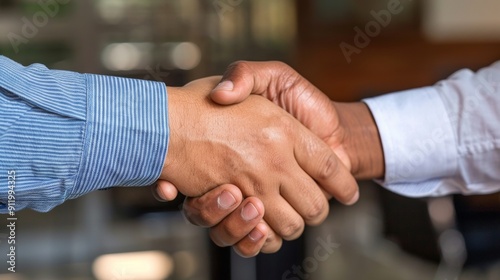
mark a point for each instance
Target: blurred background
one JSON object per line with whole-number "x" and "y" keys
{"x": 351, "y": 49}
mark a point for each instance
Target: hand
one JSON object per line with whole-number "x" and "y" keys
{"x": 258, "y": 147}
{"x": 348, "y": 128}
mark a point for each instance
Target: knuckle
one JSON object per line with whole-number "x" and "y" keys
{"x": 288, "y": 122}
{"x": 316, "y": 209}
{"x": 288, "y": 126}
{"x": 231, "y": 235}
{"x": 279, "y": 131}
{"x": 293, "y": 229}
{"x": 237, "y": 66}
{"x": 206, "y": 218}
{"x": 202, "y": 218}
{"x": 279, "y": 65}
{"x": 329, "y": 168}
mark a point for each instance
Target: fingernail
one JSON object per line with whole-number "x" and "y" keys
{"x": 249, "y": 212}
{"x": 255, "y": 235}
{"x": 354, "y": 199}
{"x": 225, "y": 85}
{"x": 226, "y": 200}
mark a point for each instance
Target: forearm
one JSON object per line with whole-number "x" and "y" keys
{"x": 362, "y": 143}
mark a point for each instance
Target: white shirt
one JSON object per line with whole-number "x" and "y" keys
{"x": 442, "y": 139}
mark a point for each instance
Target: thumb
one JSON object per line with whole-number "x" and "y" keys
{"x": 165, "y": 191}
{"x": 224, "y": 93}
{"x": 241, "y": 79}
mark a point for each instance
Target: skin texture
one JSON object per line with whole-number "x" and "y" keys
{"x": 274, "y": 160}
{"x": 348, "y": 129}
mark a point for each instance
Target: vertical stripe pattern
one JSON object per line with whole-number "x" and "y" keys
{"x": 66, "y": 134}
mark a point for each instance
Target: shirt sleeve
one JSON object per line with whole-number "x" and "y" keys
{"x": 442, "y": 139}
{"x": 64, "y": 134}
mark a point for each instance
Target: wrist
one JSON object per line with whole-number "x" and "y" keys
{"x": 175, "y": 115}
{"x": 191, "y": 125}
{"x": 362, "y": 140}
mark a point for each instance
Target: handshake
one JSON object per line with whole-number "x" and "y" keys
{"x": 260, "y": 152}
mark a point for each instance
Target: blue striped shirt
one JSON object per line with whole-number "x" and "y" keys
{"x": 64, "y": 134}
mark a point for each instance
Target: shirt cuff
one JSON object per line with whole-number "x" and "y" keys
{"x": 126, "y": 135}
{"x": 417, "y": 138}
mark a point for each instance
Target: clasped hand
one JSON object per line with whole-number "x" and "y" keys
{"x": 283, "y": 163}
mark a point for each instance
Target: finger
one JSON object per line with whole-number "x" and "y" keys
{"x": 305, "y": 196}
{"x": 243, "y": 78}
{"x": 273, "y": 242}
{"x": 283, "y": 218}
{"x": 319, "y": 161}
{"x": 253, "y": 242}
{"x": 248, "y": 247}
{"x": 211, "y": 208}
{"x": 165, "y": 191}
{"x": 238, "y": 224}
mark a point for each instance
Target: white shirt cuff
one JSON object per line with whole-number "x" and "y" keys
{"x": 417, "y": 138}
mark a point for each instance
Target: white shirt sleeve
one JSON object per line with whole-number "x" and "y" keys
{"x": 442, "y": 139}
